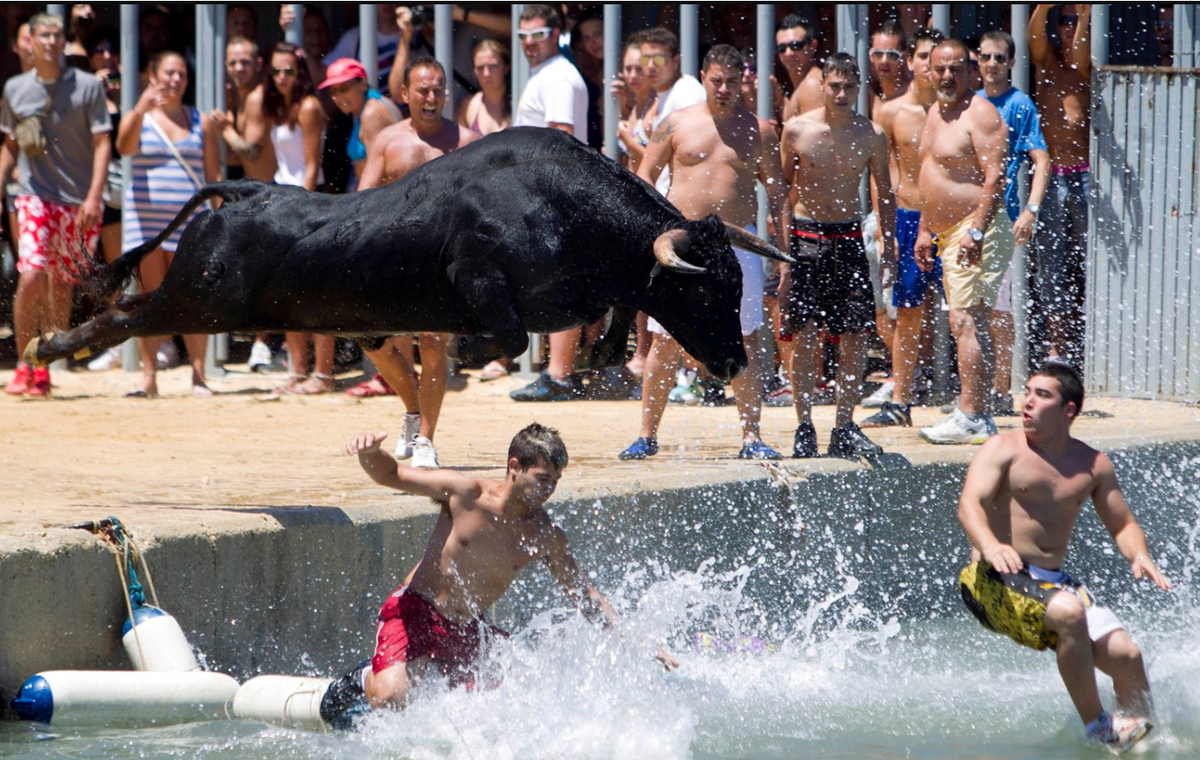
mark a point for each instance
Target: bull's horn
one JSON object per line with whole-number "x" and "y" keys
{"x": 739, "y": 238}
{"x": 664, "y": 251}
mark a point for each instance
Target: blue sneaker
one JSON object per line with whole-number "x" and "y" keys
{"x": 642, "y": 448}
{"x": 758, "y": 450}
{"x": 546, "y": 388}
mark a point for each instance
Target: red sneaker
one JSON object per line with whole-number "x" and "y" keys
{"x": 21, "y": 382}
{"x": 41, "y": 382}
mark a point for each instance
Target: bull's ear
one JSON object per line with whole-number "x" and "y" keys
{"x": 739, "y": 238}
{"x": 666, "y": 251}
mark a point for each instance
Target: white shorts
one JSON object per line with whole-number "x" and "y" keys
{"x": 751, "y": 310}
{"x": 883, "y": 296}
{"x": 1004, "y": 300}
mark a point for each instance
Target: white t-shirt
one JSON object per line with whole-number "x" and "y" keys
{"x": 686, "y": 92}
{"x": 554, "y": 94}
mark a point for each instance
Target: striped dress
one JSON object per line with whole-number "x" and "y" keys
{"x": 160, "y": 186}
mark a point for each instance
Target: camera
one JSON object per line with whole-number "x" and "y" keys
{"x": 422, "y": 15}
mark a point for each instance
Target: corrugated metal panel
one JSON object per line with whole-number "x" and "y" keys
{"x": 1143, "y": 272}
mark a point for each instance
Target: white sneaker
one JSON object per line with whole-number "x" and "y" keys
{"x": 106, "y": 361}
{"x": 260, "y": 357}
{"x": 412, "y": 427}
{"x": 424, "y": 454}
{"x": 881, "y": 396}
{"x": 168, "y": 355}
{"x": 958, "y": 429}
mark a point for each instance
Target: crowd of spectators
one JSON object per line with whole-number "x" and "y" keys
{"x": 308, "y": 116}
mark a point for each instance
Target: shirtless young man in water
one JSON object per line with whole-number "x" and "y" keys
{"x": 1021, "y": 498}
{"x": 487, "y": 532}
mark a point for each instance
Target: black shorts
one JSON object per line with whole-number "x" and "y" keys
{"x": 235, "y": 172}
{"x": 111, "y": 216}
{"x": 831, "y": 280}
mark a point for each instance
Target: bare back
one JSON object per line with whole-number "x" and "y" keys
{"x": 955, "y": 145}
{"x": 825, "y": 163}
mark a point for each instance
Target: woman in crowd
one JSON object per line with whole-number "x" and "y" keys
{"x": 633, "y": 87}
{"x": 490, "y": 109}
{"x": 346, "y": 82}
{"x": 297, "y": 128}
{"x": 175, "y": 152}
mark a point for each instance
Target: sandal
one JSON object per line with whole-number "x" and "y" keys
{"x": 315, "y": 385}
{"x": 376, "y": 386}
{"x": 291, "y": 385}
{"x": 493, "y": 371}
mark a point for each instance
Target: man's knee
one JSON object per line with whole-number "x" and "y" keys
{"x": 1065, "y": 614}
{"x": 1121, "y": 652}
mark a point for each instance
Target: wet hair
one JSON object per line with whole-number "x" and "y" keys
{"x": 1070, "y": 384}
{"x": 841, "y": 63}
{"x": 244, "y": 41}
{"x": 47, "y": 20}
{"x": 890, "y": 28}
{"x": 422, "y": 62}
{"x": 961, "y": 46}
{"x": 157, "y": 59}
{"x": 538, "y": 443}
{"x": 796, "y": 21}
{"x": 546, "y": 13}
{"x": 101, "y": 34}
{"x": 661, "y": 36}
{"x": 274, "y": 106}
{"x": 724, "y": 55}
{"x": 1001, "y": 36}
{"x": 922, "y": 35}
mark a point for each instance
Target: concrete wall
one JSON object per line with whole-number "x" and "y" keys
{"x": 299, "y": 596}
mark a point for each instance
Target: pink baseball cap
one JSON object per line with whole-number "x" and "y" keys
{"x": 343, "y": 70}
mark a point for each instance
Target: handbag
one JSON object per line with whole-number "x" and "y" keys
{"x": 175, "y": 152}
{"x": 29, "y": 132}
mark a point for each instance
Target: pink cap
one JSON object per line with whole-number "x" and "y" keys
{"x": 343, "y": 70}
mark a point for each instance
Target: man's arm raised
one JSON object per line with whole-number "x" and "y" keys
{"x": 1039, "y": 41}
{"x": 1114, "y": 512}
{"x": 382, "y": 468}
{"x": 987, "y": 471}
{"x": 1079, "y": 55}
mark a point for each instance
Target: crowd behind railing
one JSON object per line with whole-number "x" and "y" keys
{"x": 308, "y": 116}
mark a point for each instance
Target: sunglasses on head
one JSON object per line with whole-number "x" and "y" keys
{"x": 997, "y": 57}
{"x": 658, "y": 60}
{"x": 881, "y": 53}
{"x": 289, "y": 71}
{"x": 534, "y": 35}
{"x": 794, "y": 45}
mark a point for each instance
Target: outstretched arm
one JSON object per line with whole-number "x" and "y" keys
{"x": 987, "y": 471}
{"x": 1114, "y": 512}
{"x": 439, "y": 485}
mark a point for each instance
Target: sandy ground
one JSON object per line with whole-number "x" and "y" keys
{"x": 177, "y": 464}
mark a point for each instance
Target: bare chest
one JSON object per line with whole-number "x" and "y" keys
{"x": 1046, "y": 489}
{"x": 710, "y": 149}
{"x": 947, "y": 144}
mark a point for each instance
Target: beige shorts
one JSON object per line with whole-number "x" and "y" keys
{"x": 979, "y": 285}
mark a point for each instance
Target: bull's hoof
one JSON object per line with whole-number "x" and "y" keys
{"x": 30, "y": 356}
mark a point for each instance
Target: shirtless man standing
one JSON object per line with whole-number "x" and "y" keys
{"x": 1063, "y": 96}
{"x": 890, "y": 77}
{"x": 902, "y": 122}
{"x": 963, "y": 154}
{"x": 1021, "y": 498}
{"x": 825, "y": 153}
{"x": 796, "y": 44}
{"x": 487, "y": 532}
{"x": 396, "y": 151}
{"x": 715, "y": 150}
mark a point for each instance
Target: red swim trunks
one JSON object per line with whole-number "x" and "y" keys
{"x": 50, "y": 240}
{"x": 410, "y": 627}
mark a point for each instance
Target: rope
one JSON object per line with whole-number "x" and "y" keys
{"x": 129, "y": 607}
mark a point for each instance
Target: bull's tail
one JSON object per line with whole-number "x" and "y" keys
{"x": 109, "y": 278}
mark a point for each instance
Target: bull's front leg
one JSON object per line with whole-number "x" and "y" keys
{"x": 610, "y": 350}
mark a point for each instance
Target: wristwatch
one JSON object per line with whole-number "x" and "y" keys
{"x": 1033, "y": 208}
{"x": 976, "y": 235}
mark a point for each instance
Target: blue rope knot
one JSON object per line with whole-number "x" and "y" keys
{"x": 136, "y": 595}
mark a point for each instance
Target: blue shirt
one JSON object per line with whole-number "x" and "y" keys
{"x": 1024, "y": 134}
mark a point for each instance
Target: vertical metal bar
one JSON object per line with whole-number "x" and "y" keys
{"x": 765, "y": 60}
{"x": 612, "y": 65}
{"x": 294, "y": 33}
{"x": 206, "y": 100}
{"x": 844, "y": 25}
{"x": 689, "y": 39}
{"x": 60, "y": 10}
{"x": 443, "y": 49}
{"x": 941, "y": 18}
{"x": 1020, "y": 34}
{"x": 129, "y": 98}
{"x": 1185, "y": 35}
{"x": 220, "y": 350}
{"x": 1099, "y": 37}
{"x": 519, "y": 76}
{"x": 1020, "y": 264}
{"x": 862, "y": 43}
{"x": 368, "y": 42}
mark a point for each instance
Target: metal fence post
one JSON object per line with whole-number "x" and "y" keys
{"x": 689, "y": 39}
{"x": 294, "y": 34}
{"x": 941, "y": 18}
{"x": 129, "y": 97}
{"x": 1020, "y": 263}
{"x": 368, "y": 42}
{"x": 612, "y": 66}
{"x": 443, "y": 50}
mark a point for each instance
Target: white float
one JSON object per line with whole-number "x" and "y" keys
{"x": 155, "y": 642}
{"x": 291, "y": 701}
{"x": 123, "y": 697}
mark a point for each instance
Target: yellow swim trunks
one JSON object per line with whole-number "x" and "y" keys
{"x": 980, "y": 284}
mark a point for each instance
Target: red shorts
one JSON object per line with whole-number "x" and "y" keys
{"x": 49, "y": 239}
{"x": 410, "y": 627}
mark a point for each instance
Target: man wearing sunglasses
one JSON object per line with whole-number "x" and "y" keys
{"x": 556, "y": 97}
{"x": 890, "y": 75}
{"x": 660, "y": 61}
{"x": 1025, "y": 146}
{"x": 1063, "y": 97}
{"x": 796, "y": 44}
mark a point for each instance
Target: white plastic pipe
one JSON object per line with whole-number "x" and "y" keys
{"x": 121, "y": 697}
{"x": 290, "y": 701}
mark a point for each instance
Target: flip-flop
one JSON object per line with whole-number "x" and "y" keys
{"x": 315, "y": 385}
{"x": 365, "y": 389}
{"x": 200, "y": 391}
{"x": 139, "y": 393}
{"x": 493, "y": 371}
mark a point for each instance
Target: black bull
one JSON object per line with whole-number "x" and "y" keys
{"x": 525, "y": 231}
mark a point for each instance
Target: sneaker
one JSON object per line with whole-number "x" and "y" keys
{"x": 107, "y": 360}
{"x": 890, "y": 415}
{"x": 21, "y": 381}
{"x": 848, "y": 442}
{"x": 825, "y": 395}
{"x": 1118, "y": 732}
{"x": 781, "y": 396}
{"x": 758, "y": 450}
{"x": 881, "y": 396}
{"x": 688, "y": 395}
{"x": 41, "y": 382}
{"x": 412, "y": 428}
{"x": 167, "y": 356}
{"x": 546, "y": 388}
{"x": 1002, "y": 405}
{"x": 956, "y": 428}
{"x": 260, "y": 357}
{"x": 805, "y": 446}
{"x": 642, "y": 448}
{"x": 424, "y": 455}
{"x": 346, "y": 698}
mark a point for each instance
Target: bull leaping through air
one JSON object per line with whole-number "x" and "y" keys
{"x": 524, "y": 231}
